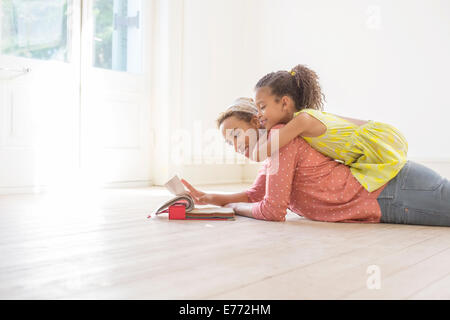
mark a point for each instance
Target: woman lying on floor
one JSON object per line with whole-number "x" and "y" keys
{"x": 317, "y": 187}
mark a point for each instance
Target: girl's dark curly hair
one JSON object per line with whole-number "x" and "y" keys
{"x": 301, "y": 84}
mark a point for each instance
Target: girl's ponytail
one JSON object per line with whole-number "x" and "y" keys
{"x": 308, "y": 83}
{"x": 301, "y": 84}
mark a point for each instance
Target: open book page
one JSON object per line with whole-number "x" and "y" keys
{"x": 211, "y": 210}
{"x": 211, "y": 213}
{"x": 175, "y": 186}
{"x": 189, "y": 203}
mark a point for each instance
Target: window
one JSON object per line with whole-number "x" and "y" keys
{"x": 117, "y": 35}
{"x": 28, "y": 29}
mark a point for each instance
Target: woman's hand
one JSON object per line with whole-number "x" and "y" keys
{"x": 241, "y": 209}
{"x": 212, "y": 198}
{"x": 199, "y": 197}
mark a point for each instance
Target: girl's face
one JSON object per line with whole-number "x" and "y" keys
{"x": 271, "y": 109}
{"x": 240, "y": 134}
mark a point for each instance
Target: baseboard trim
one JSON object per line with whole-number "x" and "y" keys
{"x": 44, "y": 189}
{"x": 128, "y": 184}
{"x": 206, "y": 174}
{"x": 441, "y": 166}
{"x": 22, "y": 190}
{"x": 213, "y": 175}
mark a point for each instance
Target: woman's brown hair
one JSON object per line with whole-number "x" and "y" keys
{"x": 301, "y": 84}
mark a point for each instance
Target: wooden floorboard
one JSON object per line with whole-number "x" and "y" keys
{"x": 100, "y": 245}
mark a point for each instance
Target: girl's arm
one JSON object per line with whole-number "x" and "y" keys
{"x": 279, "y": 183}
{"x": 303, "y": 124}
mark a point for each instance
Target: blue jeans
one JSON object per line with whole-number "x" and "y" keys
{"x": 417, "y": 195}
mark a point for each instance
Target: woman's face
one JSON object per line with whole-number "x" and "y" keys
{"x": 240, "y": 134}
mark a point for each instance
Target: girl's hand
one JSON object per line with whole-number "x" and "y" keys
{"x": 199, "y": 197}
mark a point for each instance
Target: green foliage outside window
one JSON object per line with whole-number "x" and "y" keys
{"x": 35, "y": 29}
{"x": 103, "y": 13}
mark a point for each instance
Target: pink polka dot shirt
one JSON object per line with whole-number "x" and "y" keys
{"x": 311, "y": 185}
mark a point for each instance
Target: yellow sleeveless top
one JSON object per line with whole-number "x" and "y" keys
{"x": 375, "y": 151}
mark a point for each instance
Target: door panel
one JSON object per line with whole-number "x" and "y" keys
{"x": 116, "y": 99}
{"x": 39, "y": 108}
{"x": 74, "y": 98}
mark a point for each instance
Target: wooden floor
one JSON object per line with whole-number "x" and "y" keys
{"x": 100, "y": 245}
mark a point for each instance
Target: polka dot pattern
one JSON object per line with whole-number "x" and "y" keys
{"x": 375, "y": 151}
{"x": 312, "y": 185}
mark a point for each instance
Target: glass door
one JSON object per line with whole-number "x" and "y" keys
{"x": 115, "y": 91}
{"x": 37, "y": 29}
{"x": 39, "y": 92}
{"x": 74, "y": 93}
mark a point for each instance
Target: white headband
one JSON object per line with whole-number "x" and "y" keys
{"x": 243, "y": 105}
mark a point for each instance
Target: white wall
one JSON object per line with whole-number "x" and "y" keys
{"x": 380, "y": 59}
{"x": 205, "y": 58}
{"x": 220, "y": 58}
{"x": 383, "y": 60}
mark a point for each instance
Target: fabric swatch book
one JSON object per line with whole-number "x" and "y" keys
{"x": 190, "y": 210}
